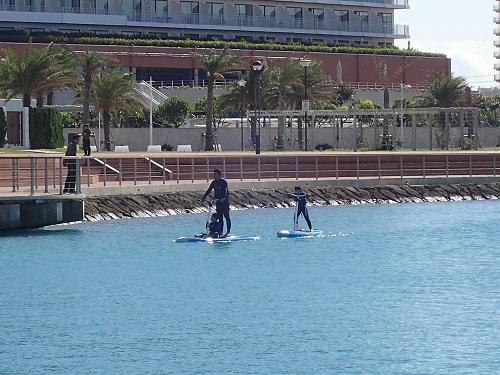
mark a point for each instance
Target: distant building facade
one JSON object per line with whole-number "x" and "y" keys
{"x": 328, "y": 21}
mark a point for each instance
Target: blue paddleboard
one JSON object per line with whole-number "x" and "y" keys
{"x": 217, "y": 240}
{"x": 299, "y": 233}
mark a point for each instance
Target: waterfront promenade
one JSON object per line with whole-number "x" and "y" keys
{"x": 35, "y": 174}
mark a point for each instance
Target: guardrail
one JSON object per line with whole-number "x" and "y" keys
{"x": 39, "y": 175}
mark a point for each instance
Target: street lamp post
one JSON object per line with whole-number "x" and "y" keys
{"x": 241, "y": 83}
{"x": 257, "y": 68}
{"x": 401, "y": 121}
{"x": 304, "y": 62}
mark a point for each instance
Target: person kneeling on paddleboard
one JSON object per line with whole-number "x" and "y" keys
{"x": 215, "y": 227}
{"x": 221, "y": 198}
{"x": 300, "y": 198}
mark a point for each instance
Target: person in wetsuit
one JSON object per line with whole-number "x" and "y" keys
{"x": 221, "y": 197}
{"x": 300, "y": 197}
{"x": 86, "y": 134}
{"x": 215, "y": 227}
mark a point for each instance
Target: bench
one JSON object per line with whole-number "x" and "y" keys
{"x": 184, "y": 148}
{"x": 122, "y": 148}
{"x": 154, "y": 148}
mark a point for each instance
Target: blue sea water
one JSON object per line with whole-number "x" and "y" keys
{"x": 392, "y": 289}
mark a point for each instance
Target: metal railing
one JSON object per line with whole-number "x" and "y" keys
{"x": 330, "y": 23}
{"x": 42, "y": 175}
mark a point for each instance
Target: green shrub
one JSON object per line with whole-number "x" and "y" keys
{"x": 46, "y": 128}
{"x": 82, "y": 38}
{"x": 3, "y": 127}
{"x": 173, "y": 112}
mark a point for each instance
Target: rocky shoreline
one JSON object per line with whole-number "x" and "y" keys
{"x": 165, "y": 204}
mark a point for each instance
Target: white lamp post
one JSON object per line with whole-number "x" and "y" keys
{"x": 401, "y": 121}
{"x": 241, "y": 83}
{"x": 257, "y": 68}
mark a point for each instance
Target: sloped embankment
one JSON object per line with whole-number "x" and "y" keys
{"x": 138, "y": 205}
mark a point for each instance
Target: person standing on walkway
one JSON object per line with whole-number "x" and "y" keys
{"x": 86, "y": 133}
{"x": 221, "y": 197}
{"x": 70, "y": 184}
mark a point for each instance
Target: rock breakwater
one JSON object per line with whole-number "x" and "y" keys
{"x": 151, "y": 205}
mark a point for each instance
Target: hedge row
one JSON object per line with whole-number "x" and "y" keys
{"x": 46, "y": 128}
{"x": 80, "y": 38}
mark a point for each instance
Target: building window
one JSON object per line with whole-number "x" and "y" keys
{"x": 69, "y": 3}
{"x": 215, "y": 36}
{"x": 318, "y": 13}
{"x": 243, "y": 9}
{"x": 268, "y": 10}
{"x": 190, "y": 7}
{"x": 363, "y": 16}
{"x": 386, "y": 18}
{"x": 216, "y": 9}
{"x": 294, "y": 12}
{"x": 69, "y": 31}
{"x": 192, "y": 36}
{"x": 342, "y": 15}
{"x": 161, "y": 6}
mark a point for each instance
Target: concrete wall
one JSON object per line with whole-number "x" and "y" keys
{"x": 138, "y": 138}
{"x": 29, "y": 213}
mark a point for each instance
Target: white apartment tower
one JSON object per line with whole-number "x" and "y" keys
{"x": 327, "y": 21}
{"x": 497, "y": 41}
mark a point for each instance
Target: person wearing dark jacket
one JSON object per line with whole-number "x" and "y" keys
{"x": 215, "y": 227}
{"x": 221, "y": 197}
{"x": 86, "y": 133}
{"x": 70, "y": 184}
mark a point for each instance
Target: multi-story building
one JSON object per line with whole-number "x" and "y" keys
{"x": 497, "y": 41}
{"x": 327, "y": 21}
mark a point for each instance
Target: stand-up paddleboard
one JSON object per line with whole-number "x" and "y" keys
{"x": 217, "y": 240}
{"x": 299, "y": 233}
{"x": 205, "y": 239}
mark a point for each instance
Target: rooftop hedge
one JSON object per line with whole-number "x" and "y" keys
{"x": 19, "y": 36}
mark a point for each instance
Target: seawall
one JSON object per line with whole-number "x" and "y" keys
{"x": 173, "y": 203}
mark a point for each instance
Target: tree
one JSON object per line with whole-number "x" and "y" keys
{"x": 114, "y": 92}
{"x": 344, "y": 95}
{"x": 215, "y": 64}
{"x": 92, "y": 64}
{"x": 3, "y": 127}
{"x": 220, "y": 109}
{"x": 173, "y": 112}
{"x": 33, "y": 73}
{"x": 489, "y": 105}
{"x": 444, "y": 92}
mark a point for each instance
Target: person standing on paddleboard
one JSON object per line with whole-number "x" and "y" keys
{"x": 221, "y": 197}
{"x": 300, "y": 197}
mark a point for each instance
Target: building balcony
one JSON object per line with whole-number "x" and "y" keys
{"x": 331, "y": 25}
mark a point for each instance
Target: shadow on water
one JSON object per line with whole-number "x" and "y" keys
{"x": 40, "y": 232}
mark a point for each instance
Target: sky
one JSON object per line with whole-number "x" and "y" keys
{"x": 462, "y": 29}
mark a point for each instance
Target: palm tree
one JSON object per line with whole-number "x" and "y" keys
{"x": 115, "y": 93}
{"x": 445, "y": 91}
{"x": 280, "y": 92}
{"x": 215, "y": 64}
{"x": 91, "y": 63}
{"x": 34, "y": 73}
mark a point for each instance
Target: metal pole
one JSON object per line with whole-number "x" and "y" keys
{"x": 423, "y": 166}
{"x": 317, "y": 172}
{"x": 192, "y": 170}
{"x": 470, "y": 165}
{"x": 401, "y": 165}
{"x": 241, "y": 119}
{"x": 277, "y": 168}
{"x": 88, "y": 172}
{"x": 32, "y": 176}
{"x": 208, "y": 169}
{"x": 257, "y": 141}
{"x": 379, "y": 169}
{"x": 54, "y": 172}
{"x": 494, "y": 165}
{"x": 78, "y": 179}
{"x": 241, "y": 169}
{"x": 401, "y": 121}
{"x": 258, "y": 168}
{"x": 149, "y": 171}
{"x": 296, "y": 168}
{"x": 150, "y": 110}
{"x": 336, "y": 167}
{"x": 13, "y": 175}
{"x": 46, "y": 162}
{"x": 105, "y": 173}
{"x": 120, "y": 172}
{"x": 357, "y": 167}
{"x": 447, "y": 165}
{"x": 164, "y": 171}
{"x": 305, "y": 112}
{"x": 60, "y": 175}
{"x": 99, "y": 130}
{"x": 178, "y": 170}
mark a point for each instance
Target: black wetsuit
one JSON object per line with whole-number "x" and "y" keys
{"x": 301, "y": 208}
{"x": 221, "y": 195}
{"x": 86, "y": 141}
{"x": 70, "y": 184}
